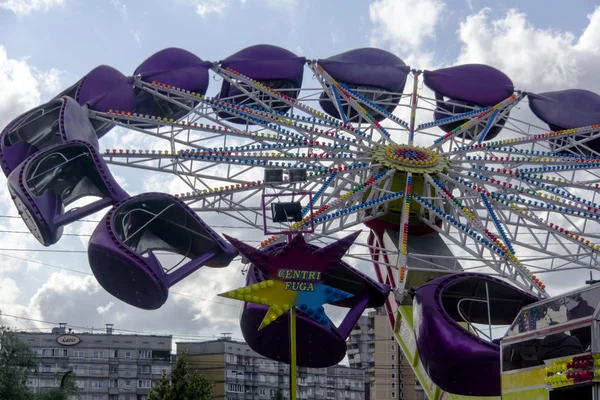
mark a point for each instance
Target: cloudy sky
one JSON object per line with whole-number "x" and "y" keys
{"x": 45, "y": 45}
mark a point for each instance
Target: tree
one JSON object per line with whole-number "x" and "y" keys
{"x": 278, "y": 395}
{"x": 17, "y": 361}
{"x": 183, "y": 383}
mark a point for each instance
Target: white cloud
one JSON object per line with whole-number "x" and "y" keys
{"x": 24, "y": 7}
{"x": 404, "y": 24}
{"x": 51, "y": 81}
{"x": 536, "y": 59}
{"x": 207, "y": 7}
{"x": 120, "y": 7}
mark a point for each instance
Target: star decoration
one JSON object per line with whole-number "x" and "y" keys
{"x": 295, "y": 278}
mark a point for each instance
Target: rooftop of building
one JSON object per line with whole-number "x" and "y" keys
{"x": 108, "y": 330}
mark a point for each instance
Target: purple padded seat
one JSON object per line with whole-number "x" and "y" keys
{"x": 566, "y": 109}
{"x": 175, "y": 67}
{"x": 273, "y": 66}
{"x": 455, "y": 359}
{"x": 122, "y": 248}
{"x": 466, "y": 87}
{"x": 57, "y": 121}
{"x": 44, "y": 184}
{"x": 318, "y": 347}
{"x": 367, "y": 69}
{"x": 103, "y": 88}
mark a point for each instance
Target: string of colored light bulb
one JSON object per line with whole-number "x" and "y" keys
{"x": 452, "y": 118}
{"x": 496, "y": 223}
{"x": 488, "y": 126}
{"x": 473, "y": 219}
{"x": 355, "y": 192}
{"x": 537, "y": 138}
{"x": 573, "y": 370}
{"x": 413, "y": 109}
{"x": 475, "y": 120}
{"x": 402, "y": 262}
{"x": 286, "y": 99}
{"x": 374, "y": 106}
{"x": 338, "y": 103}
{"x": 261, "y": 185}
{"x": 350, "y": 99}
{"x": 521, "y": 190}
{"x": 576, "y": 163}
{"x": 247, "y": 114}
{"x": 492, "y": 246}
{"x": 545, "y": 206}
{"x": 526, "y": 215}
{"x": 528, "y": 177}
{"x": 320, "y": 192}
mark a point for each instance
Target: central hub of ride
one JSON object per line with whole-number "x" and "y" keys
{"x": 410, "y": 159}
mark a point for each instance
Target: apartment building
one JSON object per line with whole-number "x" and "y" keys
{"x": 372, "y": 346}
{"x": 106, "y": 366}
{"x": 240, "y": 373}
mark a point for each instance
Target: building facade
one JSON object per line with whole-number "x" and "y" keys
{"x": 372, "y": 346}
{"x": 106, "y": 366}
{"x": 240, "y": 373}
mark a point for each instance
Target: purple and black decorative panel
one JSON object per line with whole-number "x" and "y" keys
{"x": 273, "y": 66}
{"x": 57, "y": 121}
{"x": 377, "y": 75}
{"x": 465, "y": 88}
{"x": 123, "y": 248}
{"x": 102, "y": 89}
{"x": 566, "y": 109}
{"x": 447, "y": 350}
{"x": 47, "y": 182}
{"x": 178, "y": 68}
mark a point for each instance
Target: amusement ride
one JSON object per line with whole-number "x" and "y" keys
{"x": 467, "y": 191}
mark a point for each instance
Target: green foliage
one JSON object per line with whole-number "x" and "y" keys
{"x": 17, "y": 361}
{"x": 278, "y": 395}
{"x": 183, "y": 385}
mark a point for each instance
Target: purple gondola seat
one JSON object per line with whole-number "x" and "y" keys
{"x": 374, "y": 74}
{"x": 102, "y": 89}
{"x": 121, "y": 249}
{"x": 47, "y": 182}
{"x": 455, "y": 359}
{"x": 465, "y": 88}
{"x": 273, "y": 66}
{"x": 567, "y": 109}
{"x": 178, "y": 68}
{"x": 318, "y": 346}
{"x": 57, "y": 121}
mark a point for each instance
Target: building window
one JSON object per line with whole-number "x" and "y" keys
{"x": 235, "y": 388}
{"x": 96, "y": 397}
{"x": 144, "y": 369}
{"x": 127, "y": 354}
{"x": 113, "y": 383}
{"x": 262, "y": 378}
{"x": 262, "y": 392}
{"x": 145, "y": 354}
{"x": 46, "y": 368}
{"x": 393, "y": 357}
{"x": 393, "y": 375}
{"x": 393, "y": 385}
{"x": 79, "y": 354}
{"x": 98, "y": 354}
{"x": 80, "y": 383}
{"x": 393, "y": 395}
{"x": 114, "y": 353}
{"x": 144, "y": 384}
{"x": 231, "y": 358}
{"x": 97, "y": 384}
{"x": 113, "y": 369}
{"x": 126, "y": 383}
{"x": 96, "y": 371}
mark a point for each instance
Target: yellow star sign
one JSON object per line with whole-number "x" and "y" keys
{"x": 272, "y": 293}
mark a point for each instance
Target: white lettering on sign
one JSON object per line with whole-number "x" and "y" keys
{"x": 68, "y": 340}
